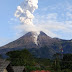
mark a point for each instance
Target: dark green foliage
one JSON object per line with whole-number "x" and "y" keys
{"x": 66, "y": 70}
{"x": 64, "y": 65}
{"x": 44, "y": 62}
{"x": 0, "y": 56}
{"x": 30, "y": 68}
{"x": 21, "y": 58}
{"x": 25, "y": 58}
{"x": 56, "y": 65}
{"x": 67, "y": 61}
{"x": 67, "y": 57}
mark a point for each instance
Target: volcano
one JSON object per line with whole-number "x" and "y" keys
{"x": 41, "y": 45}
{"x": 32, "y": 40}
{"x": 26, "y": 41}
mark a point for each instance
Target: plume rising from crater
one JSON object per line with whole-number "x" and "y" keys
{"x": 25, "y": 14}
{"x": 25, "y": 11}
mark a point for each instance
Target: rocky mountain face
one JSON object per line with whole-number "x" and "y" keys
{"x": 40, "y": 45}
{"x": 28, "y": 41}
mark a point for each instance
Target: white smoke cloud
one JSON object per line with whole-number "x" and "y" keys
{"x": 25, "y": 14}
{"x": 25, "y": 11}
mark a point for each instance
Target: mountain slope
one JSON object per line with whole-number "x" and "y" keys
{"x": 41, "y": 45}
{"x": 27, "y": 41}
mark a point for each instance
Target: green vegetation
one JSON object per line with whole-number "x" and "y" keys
{"x": 67, "y": 62}
{"x": 21, "y": 58}
{"x": 0, "y": 56}
{"x": 25, "y": 58}
{"x": 56, "y": 63}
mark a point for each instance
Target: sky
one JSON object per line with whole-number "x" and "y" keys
{"x": 54, "y": 17}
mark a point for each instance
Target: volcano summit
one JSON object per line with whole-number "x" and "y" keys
{"x": 41, "y": 45}
{"x": 32, "y": 40}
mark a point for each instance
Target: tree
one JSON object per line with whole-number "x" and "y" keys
{"x": 21, "y": 58}
{"x": 0, "y": 56}
{"x": 67, "y": 61}
{"x": 56, "y": 62}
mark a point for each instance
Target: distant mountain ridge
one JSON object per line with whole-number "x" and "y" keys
{"x": 45, "y": 47}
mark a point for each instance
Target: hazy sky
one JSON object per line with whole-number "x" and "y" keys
{"x": 53, "y": 16}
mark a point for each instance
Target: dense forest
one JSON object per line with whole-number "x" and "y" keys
{"x": 25, "y": 58}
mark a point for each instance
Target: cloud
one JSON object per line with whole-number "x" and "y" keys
{"x": 53, "y": 20}
{"x": 49, "y": 24}
{"x": 52, "y": 16}
{"x": 69, "y": 15}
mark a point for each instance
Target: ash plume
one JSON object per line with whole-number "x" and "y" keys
{"x": 25, "y": 14}
{"x": 25, "y": 11}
